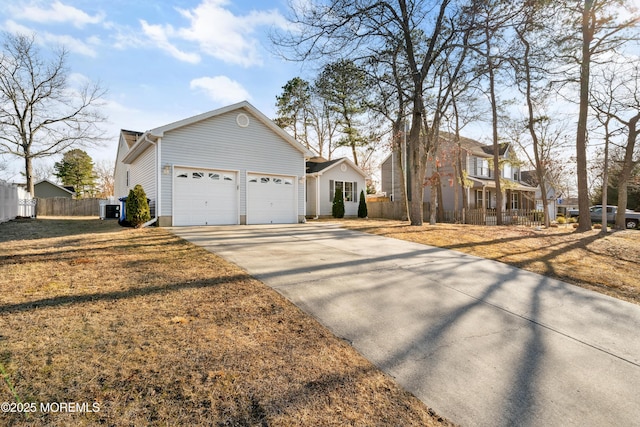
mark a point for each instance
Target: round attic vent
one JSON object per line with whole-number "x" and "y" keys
{"x": 242, "y": 120}
{"x": 343, "y": 167}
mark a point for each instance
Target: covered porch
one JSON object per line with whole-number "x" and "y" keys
{"x": 516, "y": 196}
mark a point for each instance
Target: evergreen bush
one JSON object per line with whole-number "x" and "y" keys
{"x": 362, "y": 206}
{"x": 337, "y": 209}
{"x": 137, "y": 207}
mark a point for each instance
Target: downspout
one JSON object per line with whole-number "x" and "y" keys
{"x": 157, "y": 148}
{"x": 393, "y": 173}
{"x": 317, "y": 196}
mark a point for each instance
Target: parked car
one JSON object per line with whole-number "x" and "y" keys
{"x": 632, "y": 219}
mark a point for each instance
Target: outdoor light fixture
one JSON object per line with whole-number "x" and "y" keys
{"x": 166, "y": 170}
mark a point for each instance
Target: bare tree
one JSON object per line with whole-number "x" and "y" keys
{"x": 603, "y": 102}
{"x": 529, "y": 64}
{"x": 600, "y": 30}
{"x": 104, "y": 175}
{"x": 41, "y": 115}
{"x": 493, "y": 19}
{"x": 340, "y": 28}
{"x": 631, "y": 159}
{"x": 390, "y": 83}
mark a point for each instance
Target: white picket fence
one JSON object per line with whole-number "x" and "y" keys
{"x": 14, "y": 202}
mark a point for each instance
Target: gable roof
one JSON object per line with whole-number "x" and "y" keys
{"x": 68, "y": 188}
{"x": 474, "y": 147}
{"x": 149, "y": 137}
{"x": 318, "y": 165}
{"x": 529, "y": 177}
{"x": 130, "y": 136}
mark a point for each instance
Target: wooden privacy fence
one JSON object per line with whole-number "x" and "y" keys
{"x": 62, "y": 206}
{"x": 393, "y": 210}
{"x": 390, "y": 210}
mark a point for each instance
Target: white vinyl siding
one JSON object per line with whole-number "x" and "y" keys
{"x": 120, "y": 188}
{"x": 142, "y": 171}
{"x": 219, "y": 143}
{"x": 327, "y": 191}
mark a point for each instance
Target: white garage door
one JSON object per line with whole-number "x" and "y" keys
{"x": 271, "y": 200}
{"x": 204, "y": 197}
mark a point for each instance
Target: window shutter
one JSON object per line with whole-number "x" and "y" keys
{"x": 355, "y": 192}
{"x": 332, "y": 190}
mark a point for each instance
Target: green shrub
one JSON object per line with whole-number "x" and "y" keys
{"x": 561, "y": 220}
{"x": 362, "y": 206}
{"x": 573, "y": 220}
{"x": 137, "y": 207}
{"x": 337, "y": 209}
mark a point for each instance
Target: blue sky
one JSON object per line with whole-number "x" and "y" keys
{"x": 161, "y": 61}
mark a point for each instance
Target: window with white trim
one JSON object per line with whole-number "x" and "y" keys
{"x": 349, "y": 190}
{"x": 515, "y": 201}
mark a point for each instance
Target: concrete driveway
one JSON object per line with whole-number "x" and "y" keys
{"x": 482, "y": 343}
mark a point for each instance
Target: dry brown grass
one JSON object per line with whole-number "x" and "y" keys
{"x": 608, "y": 264}
{"x": 160, "y": 332}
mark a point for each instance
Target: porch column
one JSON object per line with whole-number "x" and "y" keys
{"x": 484, "y": 198}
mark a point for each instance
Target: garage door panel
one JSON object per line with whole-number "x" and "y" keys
{"x": 205, "y": 197}
{"x": 271, "y": 199}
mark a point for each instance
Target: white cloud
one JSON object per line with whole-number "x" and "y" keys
{"x": 221, "y": 89}
{"x": 159, "y": 35}
{"x": 72, "y": 44}
{"x": 57, "y": 13}
{"x": 218, "y": 32}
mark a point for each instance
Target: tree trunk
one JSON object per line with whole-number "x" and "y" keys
{"x": 354, "y": 152}
{"x": 433, "y": 203}
{"x": 440, "y": 201}
{"x": 399, "y": 150}
{"x": 417, "y": 170}
{"x": 605, "y": 182}
{"x": 494, "y": 123}
{"x": 28, "y": 167}
{"x": 581, "y": 135}
{"x": 496, "y": 152}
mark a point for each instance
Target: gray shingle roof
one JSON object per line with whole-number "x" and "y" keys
{"x": 314, "y": 165}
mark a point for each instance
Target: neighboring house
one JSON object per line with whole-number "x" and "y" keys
{"x": 529, "y": 177}
{"x": 324, "y": 177}
{"x": 390, "y": 175}
{"x": 232, "y": 165}
{"x": 45, "y": 189}
{"x": 565, "y": 204}
{"x": 475, "y": 159}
